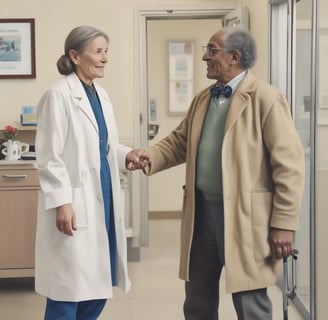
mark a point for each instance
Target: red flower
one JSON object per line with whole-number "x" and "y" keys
{"x": 10, "y": 132}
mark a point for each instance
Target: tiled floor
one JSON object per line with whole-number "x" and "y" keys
{"x": 156, "y": 294}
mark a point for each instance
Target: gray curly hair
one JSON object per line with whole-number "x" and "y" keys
{"x": 238, "y": 39}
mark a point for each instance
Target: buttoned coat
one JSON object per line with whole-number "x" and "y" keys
{"x": 76, "y": 268}
{"x": 262, "y": 176}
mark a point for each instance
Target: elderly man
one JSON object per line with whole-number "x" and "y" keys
{"x": 244, "y": 182}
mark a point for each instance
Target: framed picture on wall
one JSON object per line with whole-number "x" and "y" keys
{"x": 17, "y": 48}
{"x": 181, "y": 75}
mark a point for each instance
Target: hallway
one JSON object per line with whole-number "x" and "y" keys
{"x": 156, "y": 294}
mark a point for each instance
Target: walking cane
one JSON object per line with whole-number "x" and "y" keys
{"x": 289, "y": 293}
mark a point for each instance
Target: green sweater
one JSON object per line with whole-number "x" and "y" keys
{"x": 209, "y": 167}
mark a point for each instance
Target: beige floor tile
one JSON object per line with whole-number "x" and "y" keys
{"x": 156, "y": 294}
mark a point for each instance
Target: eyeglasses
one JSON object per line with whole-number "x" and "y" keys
{"x": 210, "y": 51}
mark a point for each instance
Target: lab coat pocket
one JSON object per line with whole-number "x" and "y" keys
{"x": 80, "y": 208}
{"x": 261, "y": 208}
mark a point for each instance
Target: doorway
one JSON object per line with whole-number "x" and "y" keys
{"x": 148, "y": 20}
{"x": 160, "y": 33}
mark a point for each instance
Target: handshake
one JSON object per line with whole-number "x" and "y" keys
{"x": 137, "y": 159}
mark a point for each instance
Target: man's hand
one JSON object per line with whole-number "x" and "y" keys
{"x": 137, "y": 159}
{"x": 65, "y": 219}
{"x": 281, "y": 242}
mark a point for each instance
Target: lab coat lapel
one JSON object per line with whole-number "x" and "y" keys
{"x": 105, "y": 105}
{"x": 82, "y": 98}
{"x": 108, "y": 115}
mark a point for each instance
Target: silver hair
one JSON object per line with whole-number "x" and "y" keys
{"x": 238, "y": 39}
{"x": 78, "y": 39}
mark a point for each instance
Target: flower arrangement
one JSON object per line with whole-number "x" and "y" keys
{"x": 9, "y": 132}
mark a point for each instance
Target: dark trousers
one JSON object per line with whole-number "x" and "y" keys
{"x": 84, "y": 310}
{"x": 206, "y": 263}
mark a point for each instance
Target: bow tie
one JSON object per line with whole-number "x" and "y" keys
{"x": 217, "y": 90}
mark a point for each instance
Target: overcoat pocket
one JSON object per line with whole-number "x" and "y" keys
{"x": 261, "y": 208}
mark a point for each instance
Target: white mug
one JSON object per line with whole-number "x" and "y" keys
{"x": 14, "y": 149}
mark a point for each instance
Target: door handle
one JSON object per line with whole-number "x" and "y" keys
{"x": 152, "y": 130}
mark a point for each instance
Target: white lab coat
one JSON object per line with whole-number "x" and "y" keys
{"x": 76, "y": 268}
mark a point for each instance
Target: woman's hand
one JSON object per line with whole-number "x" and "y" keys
{"x": 65, "y": 219}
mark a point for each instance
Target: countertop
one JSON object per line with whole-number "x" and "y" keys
{"x": 17, "y": 162}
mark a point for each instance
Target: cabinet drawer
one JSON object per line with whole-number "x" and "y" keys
{"x": 11, "y": 178}
{"x": 17, "y": 228}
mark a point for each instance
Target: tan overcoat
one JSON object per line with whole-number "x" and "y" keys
{"x": 263, "y": 178}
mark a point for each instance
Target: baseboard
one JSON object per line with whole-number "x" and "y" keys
{"x": 156, "y": 215}
{"x": 133, "y": 254}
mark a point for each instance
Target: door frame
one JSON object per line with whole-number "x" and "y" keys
{"x": 283, "y": 35}
{"x": 141, "y": 15}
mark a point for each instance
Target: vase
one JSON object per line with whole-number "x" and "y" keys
{"x": 14, "y": 149}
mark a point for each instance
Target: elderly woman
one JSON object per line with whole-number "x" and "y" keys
{"x": 80, "y": 245}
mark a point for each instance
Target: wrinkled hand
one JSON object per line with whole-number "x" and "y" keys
{"x": 65, "y": 219}
{"x": 137, "y": 159}
{"x": 281, "y": 242}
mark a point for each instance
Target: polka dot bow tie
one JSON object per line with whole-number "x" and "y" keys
{"x": 217, "y": 90}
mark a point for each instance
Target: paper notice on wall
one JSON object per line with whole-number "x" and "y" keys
{"x": 28, "y": 116}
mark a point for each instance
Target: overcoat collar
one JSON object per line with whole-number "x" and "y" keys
{"x": 240, "y": 100}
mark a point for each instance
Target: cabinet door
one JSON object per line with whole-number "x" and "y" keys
{"x": 18, "y": 209}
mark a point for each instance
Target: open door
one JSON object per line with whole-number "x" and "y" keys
{"x": 237, "y": 17}
{"x": 153, "y": 102}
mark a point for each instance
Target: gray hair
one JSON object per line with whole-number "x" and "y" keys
{"x": 78, "y": 39}
{"x": 238, "y": 39}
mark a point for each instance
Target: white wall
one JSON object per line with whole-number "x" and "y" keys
{"x": 258, "y": 25}
{"x": 53, "y": 22}
{"x": 169, "y": 182}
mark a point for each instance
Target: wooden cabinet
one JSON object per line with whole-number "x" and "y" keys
{"x": 18, "y": 209}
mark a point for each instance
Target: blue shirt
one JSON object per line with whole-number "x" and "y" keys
{"x": 105, "y": 176}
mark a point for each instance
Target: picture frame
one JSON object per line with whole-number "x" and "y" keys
{"x": 17, "y": 48}
{"x": 181, "y": 76}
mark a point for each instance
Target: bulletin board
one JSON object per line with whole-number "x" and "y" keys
{"x": 181, "y": 74}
